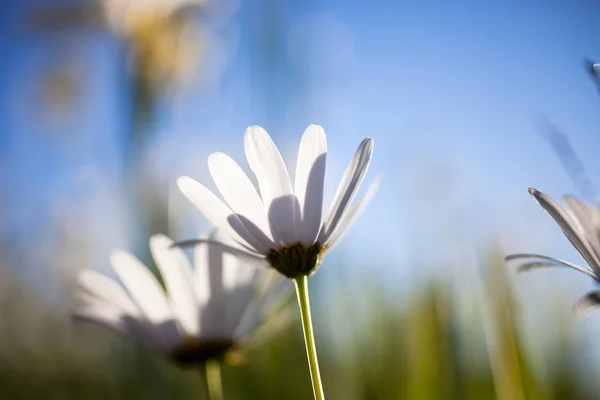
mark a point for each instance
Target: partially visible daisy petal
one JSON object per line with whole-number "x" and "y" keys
{"x": 273, "y": 180}
{"x": 202, "y": 265}
{"x": 101, "y": 314}
{"x": 217, "y": 212}
{"x": 587, "y": 304}
{"x": 309, "y": 183}
{"x": 355, "y": 209}
{"x": 244, "y": 254}
{"x": 347, "y": 189}
{"x": 142, "y": 286}
{"x": 585, "y": 218}
{"x": 176, "y": 272}
{"x": 237, "y": 189}
{"x": 546, "y": 262}
{"x": 105, "y": 288}
{"x": 569, "y": 226}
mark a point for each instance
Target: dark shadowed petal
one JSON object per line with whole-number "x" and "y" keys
{"x": 309, "y": 183}
{"x": 534, "y": 262}
{"x": 347, "y": 189}
{"x": 217, "y": 212}
{"x": 588, "y": 303}
{"x": 273, "y": 180}
{"x": 239, "y": 193}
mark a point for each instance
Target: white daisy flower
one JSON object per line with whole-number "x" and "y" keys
{"x": 205, "y": 314}
{"x": 281, "y": 222}
{"x": 581, "y": 225}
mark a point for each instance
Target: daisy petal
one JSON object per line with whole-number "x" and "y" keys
{"x": 588, "y": 303}
{"x": 586, "y": 219}
{"x": 104, "y": 288}
{"x": 202, "y": 266}
{"x": 276, "y": 293}
{"x": 353, "y": 212}
{"x": 209, "y": 258}
{"x": 102, "y": 314}
{"x": 570, "y": 227}
{"x": 217, "y": 212}
{"x": 310, "y": 179}
{"x": 238, "y": 281}
{"x": 142, "y": 286}
{"x": 241, "y": 196}
{"x": 238, "y": 251}
{"x": 273, "y": 180}
{"x": 347, "y": 189}
{"x": 176, "y": 271}
{"x": 546, "y": 262}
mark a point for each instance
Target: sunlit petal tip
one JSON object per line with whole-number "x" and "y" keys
{"x": 186, "y": 184}
{"x": 368, "y": 142}
{"x": 255, "y": 130}
{"x": 315, "y": 129}
{"x": 161, "y": 240}
{"x": 119, "y": 256}
{"x": 534, "y": 192}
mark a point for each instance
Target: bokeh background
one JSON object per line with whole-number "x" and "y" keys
{"x": 104, "y": 104}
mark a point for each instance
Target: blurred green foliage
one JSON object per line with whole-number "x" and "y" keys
{"x": 420, "y": 349}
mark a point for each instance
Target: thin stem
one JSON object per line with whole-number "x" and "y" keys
{"x": 309, "y": 339}
{"x": 212, "y": 378}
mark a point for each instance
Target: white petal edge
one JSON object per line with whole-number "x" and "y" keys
{"x": 100, "y": 314}
{"x": 103, "y": 287}
{"x": 309, "y": 182}
{"x": 542, "y": 261}
{"x": 176, "y": 272}
{"x": 273, "y": 181}
{"x": 585, "y": 218}
{"x": 353, "y": 176}
{"x": 570, "y": 227}
{"x": 353, "y": 212}
{"x": 218, "y": 213}
{"x": 241, "y": 196}
{"x": 142, "y": 286}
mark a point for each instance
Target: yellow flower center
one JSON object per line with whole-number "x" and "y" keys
{"x": 296, "y": 259}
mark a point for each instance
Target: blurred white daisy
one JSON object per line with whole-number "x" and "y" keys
{"x": 206, "y": 313}
{"x": 281, "y": 222}
{"x": 165, "y": 44}
{"x": 124, "y": 16}
{"x": 581, "y": 225}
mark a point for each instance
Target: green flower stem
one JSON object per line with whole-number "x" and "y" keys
{"x": 309, "y": 339}
{"x": 212, "y": 377}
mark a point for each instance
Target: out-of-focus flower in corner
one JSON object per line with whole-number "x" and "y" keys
{"x": 209, "y": 313}
{"x": 581, "y": 225}
{"x": 280, "y": 222}
{"x": 164, "y": 45}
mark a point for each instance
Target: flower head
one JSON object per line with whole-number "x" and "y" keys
{"x": 124, "y": 16}
{"x": 281, "y": 222}
{"x": 164, "y": 45}
{"x": 205, "y": 313}
{"x": 581, "y": 225}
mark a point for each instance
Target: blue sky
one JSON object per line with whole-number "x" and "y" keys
{"x": 451, "y": 91}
